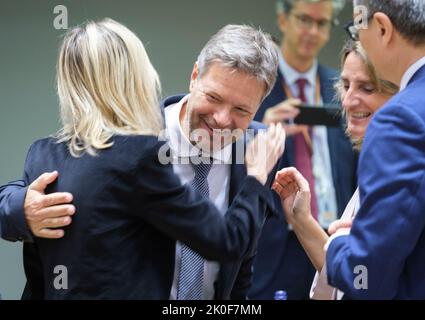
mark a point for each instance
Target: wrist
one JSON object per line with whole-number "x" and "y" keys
{"x": 301, "y": 221}
{"x": 261, "y": 178}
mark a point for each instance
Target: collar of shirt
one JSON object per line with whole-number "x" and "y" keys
{"x": 410, "y": 72}
{"x": 291, "y": 75}
{"x": 180, "y": 144}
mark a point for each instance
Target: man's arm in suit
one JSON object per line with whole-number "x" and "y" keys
{"x": 13, "y": 226}
{"x": 243, "y": 280}
{"x": 391, "y": 217}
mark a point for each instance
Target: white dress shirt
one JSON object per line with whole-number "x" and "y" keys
{"x": 410, "y": 72}
{"x": 218, "y": 181}
{"x": 320, "y": 289}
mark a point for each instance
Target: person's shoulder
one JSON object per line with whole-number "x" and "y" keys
{"x": 140, "y": 144}
{"x": 43, "y": 143}
{"x": 171, "y": 100}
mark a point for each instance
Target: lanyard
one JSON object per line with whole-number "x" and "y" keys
{"x": 289, "y": 95}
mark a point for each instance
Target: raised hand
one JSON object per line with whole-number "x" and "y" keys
{"x": 264, "y": 151}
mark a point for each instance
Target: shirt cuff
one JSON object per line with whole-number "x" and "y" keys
{"x": 340, "y": 232}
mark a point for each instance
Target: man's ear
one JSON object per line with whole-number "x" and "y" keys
{"x": 385, "y": 28}
{"x": 282, "y": 19}
{"x": 193, "y": 76}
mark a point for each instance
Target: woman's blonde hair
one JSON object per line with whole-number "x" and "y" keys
{"x": 107, "y": 86}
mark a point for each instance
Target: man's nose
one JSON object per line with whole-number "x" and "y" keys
{"x": 223, "y": 118}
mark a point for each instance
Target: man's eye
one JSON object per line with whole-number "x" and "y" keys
{"x": 243, "y": 111}
{"x": 211, "y": 98}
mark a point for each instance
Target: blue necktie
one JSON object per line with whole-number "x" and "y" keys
{"x": 191, "y": 276}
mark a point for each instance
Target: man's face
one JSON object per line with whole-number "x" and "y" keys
{"x": 306, "y": 28}
{"x": 222, "y": 99}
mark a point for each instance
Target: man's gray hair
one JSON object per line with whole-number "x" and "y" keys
{"x": 407, "y": 16}
{"x": 287, "y": 5}
{"x": 245, "y": 49}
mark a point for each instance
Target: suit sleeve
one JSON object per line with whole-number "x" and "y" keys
{"x": 391, "y": 218}
{"x": 244, "y": 277}
{"x": 13, "y": 226}
{"x": 243, "y": 280}
{"x": 184, "y": 215}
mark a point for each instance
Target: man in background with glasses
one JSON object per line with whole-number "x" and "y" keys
{"x": 323, "y": 155}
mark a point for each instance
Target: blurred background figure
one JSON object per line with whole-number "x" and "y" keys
{"x": 322, "y": 154}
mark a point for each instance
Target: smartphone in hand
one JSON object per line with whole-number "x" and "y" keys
{"x": 326, "y": 115}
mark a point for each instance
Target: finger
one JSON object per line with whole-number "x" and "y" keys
{"x": 293, "y": 174}
{"x": 56, "y": 222}
{"x": 292, "y": 188}
{"x": 280, "y": 190}
{"x": 284, "y": 109}
{"x": 284, "y": 177}
{"x": 284, "y": 191}
{"x": 55, "y": 199}
{"x": 50, "y": 234}
{"x": 43, "y": 181}
{"x": 301, "y": 181}
{"x": 338, "y": 224}
{"x": 285, "y": 174}
{"x": 289, "y": 179}
{"x": 282, "y": 116}
{"x": 294, "y": 101}
{"x": 271, "y": 130}
{"x": 56, "y": 211}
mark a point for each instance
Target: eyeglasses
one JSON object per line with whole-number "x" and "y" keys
{"x": 307, "y": 22}
{"x": 352, "y": 31}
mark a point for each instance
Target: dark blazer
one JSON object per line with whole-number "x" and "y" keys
{"x": 387, "y": 239}
{"x": 130, "y": 210}
{"x": 235, "y": 278}
{"x": 274, "y": 238}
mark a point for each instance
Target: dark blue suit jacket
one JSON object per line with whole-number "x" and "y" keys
{"x": 388, "y": 234}
{"x": 274, "y": 237}
{"x": 235, "y": 278}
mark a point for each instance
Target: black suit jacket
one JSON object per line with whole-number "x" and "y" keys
{"x": 130, "y": 210}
